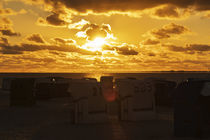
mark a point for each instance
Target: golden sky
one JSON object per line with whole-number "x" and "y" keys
{"x": 104, "y": 35}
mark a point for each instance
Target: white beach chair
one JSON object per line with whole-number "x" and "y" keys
{"x": 90, "y": 106}
{"x": 136, "y": 100}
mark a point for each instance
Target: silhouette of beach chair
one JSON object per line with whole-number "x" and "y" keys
{"x": 137, "y": 100}
{"x": 89, "y": 104}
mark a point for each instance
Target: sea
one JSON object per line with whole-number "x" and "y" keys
{"x": 171, "y": 76}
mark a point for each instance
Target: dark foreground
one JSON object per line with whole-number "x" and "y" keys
{"x": 51, "y": 120}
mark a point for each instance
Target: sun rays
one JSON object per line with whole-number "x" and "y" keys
{"x": 96, "y": 44}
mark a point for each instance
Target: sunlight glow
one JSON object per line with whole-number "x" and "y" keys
{"x": 95, "y": 45}
{"x": 81, "y": 34}
{"x": 78, "y": 25}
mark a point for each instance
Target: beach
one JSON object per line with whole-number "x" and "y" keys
{"x": 51, "y": 120}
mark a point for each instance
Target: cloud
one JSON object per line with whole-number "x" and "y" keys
{"x": 167, "y": 11}
{"x": 37, "y": 38}
{"x": 62, "y": 41}
{"x": 123, "y": 49}
{"x": 95, "y": 31}
{"x": 191, "y": 48}
{"x": 57, "y": 61}
{"x": 151, "y": 42}
{"x": 91, "y": 31}
{"x": 54, "y": 20}
{"x": 6, "y": 27}
{"x": 78, "y": 25}
{"x": 9, "y": 11}
{"x": 3, "y": 40}
{"x": 169, "y": 31}
{"x": 206, "y": 15}
{"x": 151, "y": 54}
{"x": 170, "y": 12}
{"x": 99, "y": 6}
{"x": 6, "y": 48}
{"x": 126, "y": 50}
{"x": 33, "y": 62}
{"x": 5, "y": 21}
{"x": 45, "y": 61}
{"x": 8, "y": 31}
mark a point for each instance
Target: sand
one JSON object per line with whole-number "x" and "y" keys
{"x": 51, "y": 120}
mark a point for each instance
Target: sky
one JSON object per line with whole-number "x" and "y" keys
{"x": 104, "y": 35}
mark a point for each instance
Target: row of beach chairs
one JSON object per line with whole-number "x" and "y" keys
{"x": 137, "y": 99}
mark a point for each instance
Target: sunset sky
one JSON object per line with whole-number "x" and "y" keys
{"x": 104, "y": 35}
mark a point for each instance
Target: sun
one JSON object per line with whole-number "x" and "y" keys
{"x": 95, "y": 45}
{"x": 98, "y": 42}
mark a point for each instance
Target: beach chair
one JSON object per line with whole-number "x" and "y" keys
{"x": 192, "y": 109}
{"x": 89, "y": 104}
{"x": 22, "y": 92}
{"x": 136, "y": 100}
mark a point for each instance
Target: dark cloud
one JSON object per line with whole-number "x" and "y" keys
{"x": 93, "y": 30}
{"x": 176, "y": 48}
{"x": 169, "y": 30}
{"x": 123, "y": 5}
{"x": 8, "y": 31}
{"x": 124, "y": 49}
{"x": 199, "y": 47}
{"x": 4, "y": 40}
{"x": 107, "y": 28}
{"x": 52, "y": 20}
{"x": 36, "y": 38}
{"x": 151, "y": 54}
{"x": 189, "y": 48}
{"x": 6, "y": 21}
{"x": 58, "y": 40}
{"x": 24, "y": 47}
{"x": 6, "y": 27}
{"x": 10, "y": 51}
{"x": 170, "y": 11}
{"x": 41, "y": 21}
{"x": 151, "y": 42}
{"x": 7, "y": 11}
